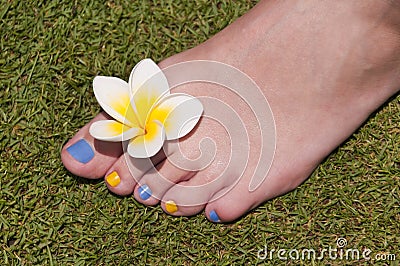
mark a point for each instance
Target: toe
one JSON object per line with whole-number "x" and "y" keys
{"x": 87, "y": 157}
{"x": 190, "y": 197}
{"x": 233, "y": 202}
{"x": 118, "y": 178}
{"x": 158, "y": 180}
{"x": 122, "y": 177}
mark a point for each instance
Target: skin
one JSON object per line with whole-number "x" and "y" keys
{"x": 319, "y": 64}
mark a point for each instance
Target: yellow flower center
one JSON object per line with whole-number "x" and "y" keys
{"x": 150, "y": 131}
{"x": 160, "y": 115}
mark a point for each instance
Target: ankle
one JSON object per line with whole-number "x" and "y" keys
{"x": 380, "y": 14}
{"x": 379, "y": 38}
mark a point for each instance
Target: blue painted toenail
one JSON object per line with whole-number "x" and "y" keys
{"x": 81, "y": 151}
{"x": 144, "y": 192}
{"x": 214, "y": 217}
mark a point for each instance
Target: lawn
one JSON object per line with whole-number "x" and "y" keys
{"x": 50, "y": 53}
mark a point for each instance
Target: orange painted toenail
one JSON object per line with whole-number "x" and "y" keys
{"x": 113, "y": 179}
{"x": 170, "y": 206}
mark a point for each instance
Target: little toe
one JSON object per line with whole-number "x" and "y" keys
{"x": 87, "y": 157}
{"x": 231, "y": 205}
{"x": 233, "y": 202}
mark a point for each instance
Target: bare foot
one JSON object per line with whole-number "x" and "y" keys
{"x": 323, "y": 66}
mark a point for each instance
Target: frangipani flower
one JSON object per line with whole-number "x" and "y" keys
{"x": 145, "y": 111}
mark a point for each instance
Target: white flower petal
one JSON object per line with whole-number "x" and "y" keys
{"x": 148, "y": 85}
{"x": 114, "y": 97}
{"x": 110, "y": 130}
{"x": 178, "y": 113}
{"x": 148, "y": 145}
{"x": 147, "y": 73}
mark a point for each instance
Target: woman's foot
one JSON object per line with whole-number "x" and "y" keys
{"x": 323, "y": 66}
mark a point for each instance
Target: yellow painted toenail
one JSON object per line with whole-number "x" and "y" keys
{"x": 170, "y": 206}
{"x": 113, "y": 179}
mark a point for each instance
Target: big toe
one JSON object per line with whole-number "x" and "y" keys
{"x": 87, "y": 157}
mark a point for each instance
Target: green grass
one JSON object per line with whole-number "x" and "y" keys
{"x": 50, "y": 52}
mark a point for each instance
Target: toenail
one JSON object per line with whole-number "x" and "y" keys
{"x": 170, "y": 206}
{"x": 144, "y": 192}
{"x": 214, "y": 217}
{"x": 113, "y": 179}
{"x": 81, "y": 151}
